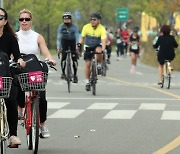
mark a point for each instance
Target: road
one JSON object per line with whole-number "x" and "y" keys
{"x": 129, "y": 115}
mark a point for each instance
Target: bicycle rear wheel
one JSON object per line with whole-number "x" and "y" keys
{"x": 3, "y": 146}
{"x": 168, "y": 81}
{"x": 94, "y": 78}
{"x": 35, "y": 125}
{"x": 69, "y": 77}
{"x": 104, "y": 67}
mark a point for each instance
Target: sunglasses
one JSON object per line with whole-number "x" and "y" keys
{"x": 2, "y": 17}
{"x": 93, "y": 19}
{"x": 26, "y": 19}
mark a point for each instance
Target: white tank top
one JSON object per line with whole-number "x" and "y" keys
{"x": 27, "y": 41}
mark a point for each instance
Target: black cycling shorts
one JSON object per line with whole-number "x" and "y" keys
{"x": 87, "y": 54}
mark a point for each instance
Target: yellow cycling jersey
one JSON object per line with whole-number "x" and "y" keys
{"x": 93, "y": 36}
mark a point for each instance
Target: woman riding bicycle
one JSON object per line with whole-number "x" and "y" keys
{"x": 9, "y": 45}
{"x": 166, "y": 44}
{"x": 31, "y": 42}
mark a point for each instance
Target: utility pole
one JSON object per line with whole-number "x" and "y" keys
{"x": 2, "y": 3}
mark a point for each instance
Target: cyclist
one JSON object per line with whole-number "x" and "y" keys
{"x": 94, "y": 39}
{"x": 30, "y": 42}
{"x": 68, "y": 37}
{"x": 134, "y": 48}
{"x": 9, "y": 45}
{"x": 166, "y": 44}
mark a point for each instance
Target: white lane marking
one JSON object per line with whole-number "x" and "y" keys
{"x": 111, "y": 98}
{"x": 120, "y": 114}
{"x": 152, "y": 106}
{"x": 171, "y": 115}
{"x": 56, "y": 105}
{"x": 69, "y": 113}
{"x": 102, "y": 106}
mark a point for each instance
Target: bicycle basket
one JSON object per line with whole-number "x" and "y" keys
{"x": 5, "y": 86}
{"x": 33, "y": 81}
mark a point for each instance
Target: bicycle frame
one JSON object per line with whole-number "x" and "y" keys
{"x": 167, "y": 71}
{"x": 4, "y": 128}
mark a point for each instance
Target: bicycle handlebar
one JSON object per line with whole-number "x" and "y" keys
{"x": 50, "y": 64}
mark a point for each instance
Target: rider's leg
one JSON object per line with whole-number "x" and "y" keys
{"x": 160, "y": 72}
{"x": 63, "y": 64}
{"x": 99, "y": 59}
{"x": 87, "y": 74}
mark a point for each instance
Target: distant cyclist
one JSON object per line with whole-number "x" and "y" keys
{"x": 166, "y": 44}
{"x": 94, "y": 39}
{"x": 67, "y": 38}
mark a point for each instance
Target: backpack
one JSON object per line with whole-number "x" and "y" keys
{"x": 4, "y": 64}
{"x": 33, "y": 64}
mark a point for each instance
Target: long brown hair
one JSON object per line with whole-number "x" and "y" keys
{"x": 7, "y": 27}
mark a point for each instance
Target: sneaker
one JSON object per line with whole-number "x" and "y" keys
{"x": 14, "y": 141}
{"x": 63, "y": 76}
{"x": 160, "y": 83}
{"x": 108, "y": 61}
{"x": 88, "y": 87}
{"x": 99, "y": 70}
{"x": 44, "y": 132}
{"x": 75, "y": 79}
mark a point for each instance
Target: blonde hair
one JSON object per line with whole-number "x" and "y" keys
{"x": 25, "y": 11}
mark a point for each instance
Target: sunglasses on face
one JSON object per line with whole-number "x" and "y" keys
{"x": 1, "y": 17}
{"x": 93, "y": 19}
{"x": 26, "y": 19}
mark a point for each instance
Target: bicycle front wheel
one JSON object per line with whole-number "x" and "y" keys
{"x": 94, "y": 78}
{"x": 69, "y": 75}
{"x": 35, "y": 125}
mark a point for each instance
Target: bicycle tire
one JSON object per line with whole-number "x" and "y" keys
{"x": 104, "y": 67}
{"x": 3, "y": 147}
{"x": 168, "y": 81}
{"x": 27, "y": 121}
{"x": 68, "y": 73}
{"x": 35, "y": 125}
{"x": 93, "y": 81}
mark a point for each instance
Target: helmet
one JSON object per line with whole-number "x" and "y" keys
{"x": 67, "y": 15}
{"x": 96, "y": 15}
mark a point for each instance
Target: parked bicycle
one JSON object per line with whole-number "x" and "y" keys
{"x": 32, "y": 83}
{"x": 167, "y": 74}
{"x": 5, "y": 87}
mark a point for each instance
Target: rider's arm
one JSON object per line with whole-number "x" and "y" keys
{"x": 103, "y": 41}
{"x": 44, "y": 50}
{"x": 58, "y": 43}
{"x": 77, "y": 34}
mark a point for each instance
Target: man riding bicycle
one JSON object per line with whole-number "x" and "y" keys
{"x": 94, "y": 38}
{"x": 67, "y": 38}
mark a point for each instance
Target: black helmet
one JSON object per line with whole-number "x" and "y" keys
{"x": 96, "y": 15}
{"x": 67, "y": 15}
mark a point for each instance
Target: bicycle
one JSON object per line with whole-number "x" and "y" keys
{"x": 93, "y": 69}
{"x": 167, "y": 74}
{"x": 5, "y": 87}
{"x": 69, "y": 75}
{"x": 32, "y": 83}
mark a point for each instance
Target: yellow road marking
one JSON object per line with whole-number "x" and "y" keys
{"x": 176, "y": 142}
{"x": 148, "y": 87}
{"x": 172, "y": 145}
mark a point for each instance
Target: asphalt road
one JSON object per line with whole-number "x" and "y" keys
{"x": 129, "y": 115}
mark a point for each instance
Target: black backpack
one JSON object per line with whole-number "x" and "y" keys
{"x": 4, "y": 64}
{"x": 33, "y": 64}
